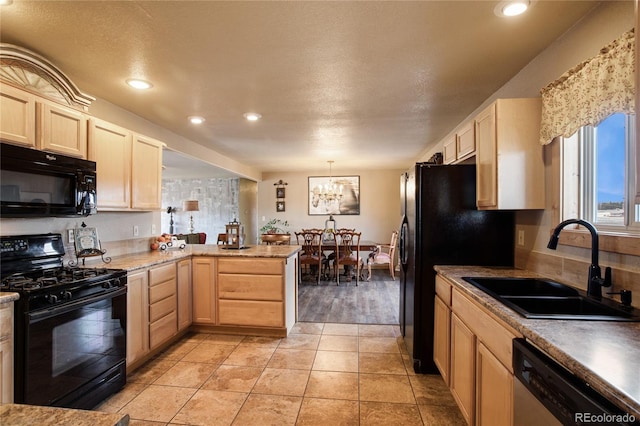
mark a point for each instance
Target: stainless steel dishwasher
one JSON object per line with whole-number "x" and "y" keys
{"x": 547, "y": 394}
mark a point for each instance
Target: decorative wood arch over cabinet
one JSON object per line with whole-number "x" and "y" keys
{"x": 41, "y": 107}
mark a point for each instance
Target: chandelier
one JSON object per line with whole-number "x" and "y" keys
{"x": 328, "y": 194}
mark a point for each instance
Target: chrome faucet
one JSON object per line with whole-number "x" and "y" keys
{"x": 595, "y": 282}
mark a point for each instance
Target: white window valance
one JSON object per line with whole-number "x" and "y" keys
{"x": 591, "y": 91}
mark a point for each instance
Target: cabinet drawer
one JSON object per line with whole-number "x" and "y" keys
{"x": 443, "y": 289}
{"x": 160, "y": 274}
{"x": 251, "y": 287}
{"x": 251, "y": 266}
{"x": 495, "y": 336}
{"x": 163, "y": 329}
{"x": 162, "y": 291}
{"x": 251, "y": 313}
{"x": 159, "y": 309}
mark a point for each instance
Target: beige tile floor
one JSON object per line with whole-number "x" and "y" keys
{"x": 321, "y": 374}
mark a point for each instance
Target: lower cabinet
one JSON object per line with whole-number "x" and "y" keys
{"x": 6, "y": 353}
{"x": 480, "y": 374}
{"x": 163, "y": 304}
{"x": 185, "y": 294}
{"x": 204, "y": 290}
{"x": 137, "y": 317}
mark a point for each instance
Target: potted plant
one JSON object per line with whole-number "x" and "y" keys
{"x": 274, "y": 232}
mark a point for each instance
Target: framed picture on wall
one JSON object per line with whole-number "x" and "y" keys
{"x": 279, "y": 206}
{"x": 280, "y": 192}
{"x": 337, "y": 195}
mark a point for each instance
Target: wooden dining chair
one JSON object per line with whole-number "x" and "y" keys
{"x": 348, "y": 254}
{"x": 384, "y": 255}
{"x": 311, "y": 253}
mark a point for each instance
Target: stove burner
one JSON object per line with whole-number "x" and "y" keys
{"x": 50, "y": 277}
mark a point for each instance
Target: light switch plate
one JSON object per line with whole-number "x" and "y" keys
{"x": 70, "y": 234}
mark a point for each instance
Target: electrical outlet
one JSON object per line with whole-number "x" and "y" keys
{"x": 153, "y": 229}
{"x": 136, "y": 231}
{"x": 521, "y": 237}
{"x": 70, "y": 233}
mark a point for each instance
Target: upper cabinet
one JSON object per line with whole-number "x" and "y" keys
{"x": 129, "y": 167}
{"x": 509, "y": 158}
{"x": 18, "y": 118}
{"x": 460, "y": 146}
{"x": 61, "y": 130}
{"x": 41, "y": 107}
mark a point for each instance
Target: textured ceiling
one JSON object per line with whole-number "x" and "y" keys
{"x": 368, "y": 83}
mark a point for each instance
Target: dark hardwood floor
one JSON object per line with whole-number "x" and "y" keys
{"x": 371, "y": 302}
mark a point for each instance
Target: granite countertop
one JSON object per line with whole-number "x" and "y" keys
{"x": 605, "y": 354}
{"x": 22, "y": 415}
{"x": 150, "y": 258}
{"x": 8, "y": 297}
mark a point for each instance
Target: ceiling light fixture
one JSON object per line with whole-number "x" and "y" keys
{"x": 328, "y": 193}
{"x": 252, "y": 116}
{"x": 5, "y": 2}
{"x": 196, "y": 119}
{"x": 514, "y": 8}
{"x": 139, "y": 84}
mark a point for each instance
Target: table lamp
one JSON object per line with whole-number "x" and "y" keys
{"x": 190, "y": 206}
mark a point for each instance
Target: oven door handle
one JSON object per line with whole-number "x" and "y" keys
{"x": 71, "y": 306}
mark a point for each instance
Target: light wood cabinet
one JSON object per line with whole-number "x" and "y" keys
{"x": 163, "y": 304}
{"x": 204, "y": 290}
{"x": 61, "y": 129}
{"x": 509, "y": 157}
{"x": 110, "y": 148}
{"x": 129, "y": 167}
{"x": 185, "y": 294}
{"x": 480, "y": 363}
{"x": 6, "y": 353}
{"x": 463, "y": 366}
{"x": 137, "y": 317}
{"x": 460, "y": 146}
{"x": 18, "y": 117}
{"x": 442, "y": 328}
{"x": 494, "y": 392}
{"x": 146, "y": 173}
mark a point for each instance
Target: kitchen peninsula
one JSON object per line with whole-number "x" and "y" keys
{"x": 207, "y": 288}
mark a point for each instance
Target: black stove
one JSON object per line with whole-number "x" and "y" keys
{"x": 70, "y": 324}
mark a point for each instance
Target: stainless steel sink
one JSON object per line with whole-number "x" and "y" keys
{"x": 547, "y": 299}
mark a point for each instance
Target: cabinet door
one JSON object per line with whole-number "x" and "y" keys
{"x": 18, "y": 117}
{"x": 465, "y": 141}
{"x": 137, "y": 316}
{"x": 6, "y": 353}
{"x": 442, "y": 338}
{"x": 449, "y": 148}
{"x": 62, "y": 130}
{"x": 146, "y": 173}
{"x": 486, "y": 158}
{"x": 204, "y": 290}
{"x": 463, "y": 350}
{"x": 110, "y": 148}
{"x": 184, "y": 294}
{"x": 494, "y": 393}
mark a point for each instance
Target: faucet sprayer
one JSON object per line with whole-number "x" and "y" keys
{"x": 595, "y": 282}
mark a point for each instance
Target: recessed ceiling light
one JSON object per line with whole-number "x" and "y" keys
{"x": 513, "y": 8}
{"x": 196, "y": 119}
{"x": 5, "y": 2}
{"x": 252, "y": 116}
{"x": 139, "y": 84}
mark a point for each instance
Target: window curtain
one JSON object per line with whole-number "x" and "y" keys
{"x": 591, "y": 91}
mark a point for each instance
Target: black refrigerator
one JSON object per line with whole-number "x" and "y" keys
{"x": 442, "y": 226}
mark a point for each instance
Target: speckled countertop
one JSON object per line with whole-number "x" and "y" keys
{"x": 146, "y": 259}
{"x": 604, "y": 354}
{"x": 8, "y": 297}
{"x": 22, "y": 415}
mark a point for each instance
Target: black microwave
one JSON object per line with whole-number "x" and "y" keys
{"x": 40, "y": 184}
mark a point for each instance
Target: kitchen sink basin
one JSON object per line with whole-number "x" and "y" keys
{"x": 547, "y": 299}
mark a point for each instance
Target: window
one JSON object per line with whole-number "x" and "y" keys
{"x": 598, "y": 170}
